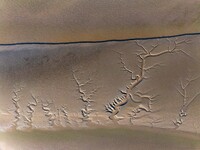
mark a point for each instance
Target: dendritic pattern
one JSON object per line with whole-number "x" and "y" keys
{"x": 147, "y": 108}
{"x": 114, "y": 107}
{"x": 51, "y": 115}
{"x": 85, "y": 97}
{"x": 63, "y": 110}
{"x": 30, "y": 110}
{"x": 137, "y": 93}
{"x": 187, "y": 100}
{"x": 16, "y": 110}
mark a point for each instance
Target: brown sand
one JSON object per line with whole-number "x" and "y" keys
{"x": 77, "y": 20}
{"x": 138, "y": 138}
{"x": 74, "y": 86}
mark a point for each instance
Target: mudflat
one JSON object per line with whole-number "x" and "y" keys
{"x": 119, "y": 138}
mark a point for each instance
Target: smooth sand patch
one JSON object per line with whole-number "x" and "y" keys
{"x": 138, "y": 138}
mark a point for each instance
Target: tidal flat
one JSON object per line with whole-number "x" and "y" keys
{"x": 118, "y": 138}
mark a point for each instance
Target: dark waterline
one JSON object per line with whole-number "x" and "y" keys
{"x": 100, "y": 41}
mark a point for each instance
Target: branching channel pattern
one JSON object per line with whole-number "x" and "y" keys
{"x": 84, "y": 97}
{"x": 49, "y": 113}
{"x": 30, "y": 110}
{"x": 187, "y": 100}
{"x": 15, "y": 101}
{"x": 114, "y": 106}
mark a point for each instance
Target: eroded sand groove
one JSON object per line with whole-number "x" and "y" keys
{"x": 77, "y": 85}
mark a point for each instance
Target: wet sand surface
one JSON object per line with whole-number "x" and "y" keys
{"x": 78, "y": 20}
{"x": 133, "y": 94}
{"x": 137, "y": 138}
{"x": 149, "y": 82}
